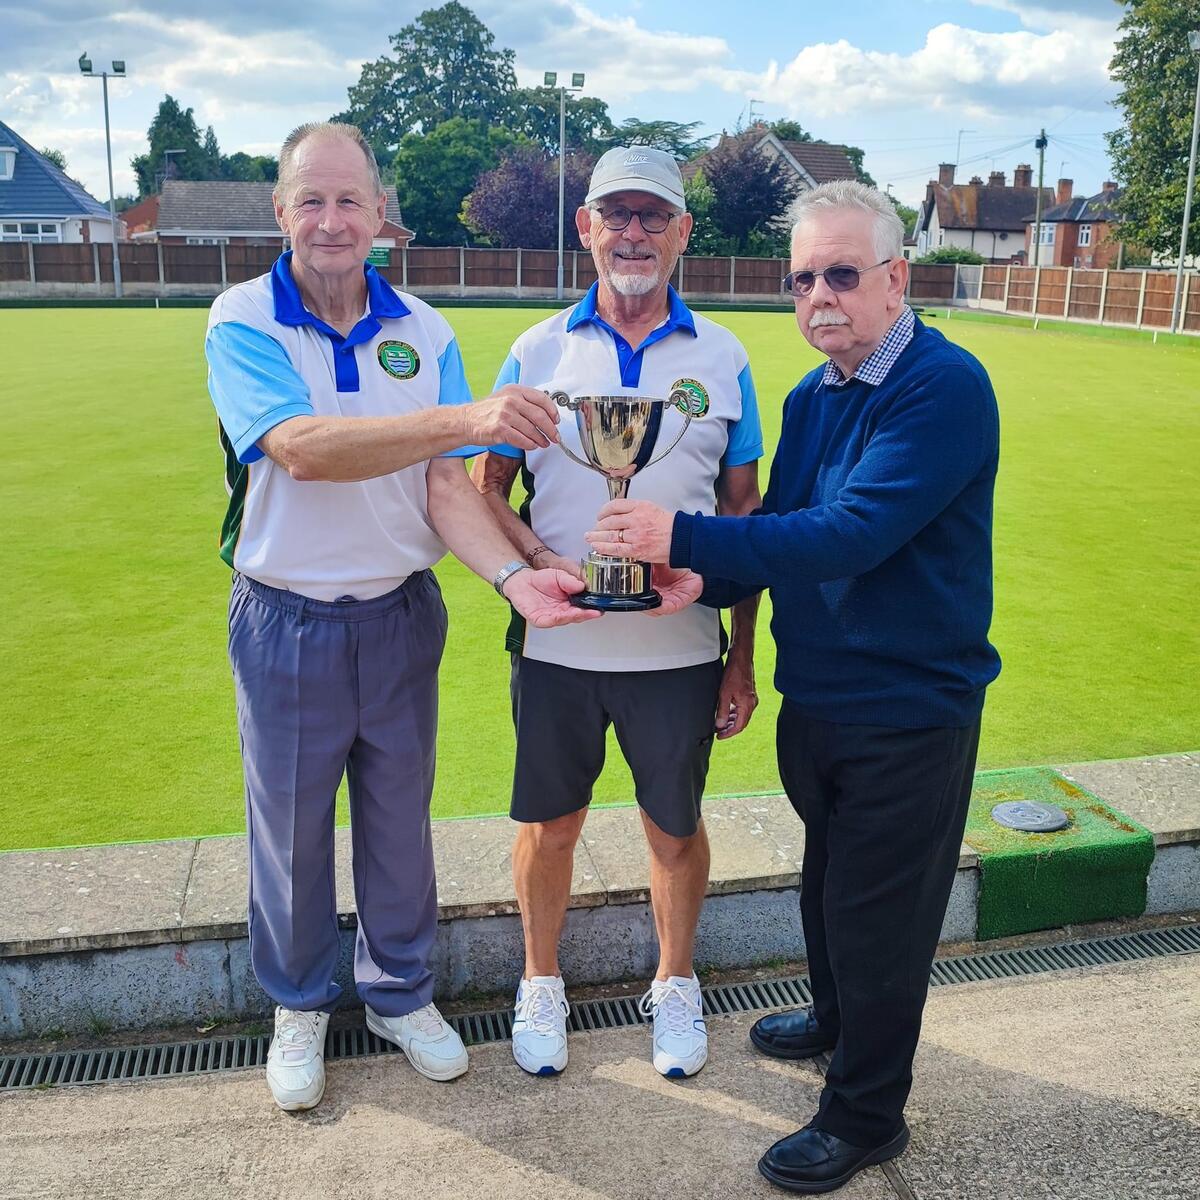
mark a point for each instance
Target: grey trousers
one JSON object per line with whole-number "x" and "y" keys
{"x": 325, "y": 689}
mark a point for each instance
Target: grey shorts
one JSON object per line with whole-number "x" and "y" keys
{"x": 664, "y": 726}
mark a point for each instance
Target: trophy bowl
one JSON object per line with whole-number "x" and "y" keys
{"x": 619, "y": 435}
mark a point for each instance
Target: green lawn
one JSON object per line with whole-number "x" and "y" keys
{"x": 116, "y": 719}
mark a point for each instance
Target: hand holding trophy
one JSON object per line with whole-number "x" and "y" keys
{"x": 619, "y": 435}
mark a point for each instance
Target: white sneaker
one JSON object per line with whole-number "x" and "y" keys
{"x": 432, "y": 1047}
{"x": 539, "y": 1032}
{"x": 680, "y": 1037}
{"x": 296, "y": 1060}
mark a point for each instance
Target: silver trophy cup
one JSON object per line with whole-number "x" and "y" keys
{"x": 619, "y": 435}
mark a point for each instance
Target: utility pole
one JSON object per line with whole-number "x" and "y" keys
{"x": 1177, "y": 318}
{"x": 1041, "y": 144}
{"x": 550, "y": 79}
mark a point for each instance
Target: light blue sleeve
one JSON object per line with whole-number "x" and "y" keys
{"x": 745, "y": 435}
{"x": 252, "y": 384}
{"x": 510, "y": 372}
{"x": 454, "y": 389}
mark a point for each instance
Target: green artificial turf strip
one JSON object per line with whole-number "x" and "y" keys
{"x": 1094, "y": 870}
{"x": 116, "y": 719}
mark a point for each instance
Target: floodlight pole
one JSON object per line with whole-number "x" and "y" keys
{"x": 85, "y": 67}
{"x": 1177, "y": 318}
{"x": 550, "y": 79}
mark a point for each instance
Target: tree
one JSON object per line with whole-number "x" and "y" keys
{"x": 533, "y": 113}
{"x": 906, "y": 214}
{"x": 443, "y": 65}
{"x": 212, "y": 156}
{"x": 789, "y": 131}
{"x": 173, "y": 128}
{"x": 855, "y": 155}
{"x": 675, "y": 137}
{"x": 435, "y": 171}
{"x": 1157, "y": 74}
{"x": 516, "y": 203}
{"x": 953, "y": 254}
{"x": 751, "y": 195}
{"x": 701, "y": 203}
{"x": 250, "y": 168}
{"x": 57, "y": 157}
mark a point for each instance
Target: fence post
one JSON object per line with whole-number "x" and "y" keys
{"x": 1141, "y": 299}
{"x": 1183, "y": 303}
{"x": 1037, "y": 284}
{"x": 732, "y": 275}
{"x": 96, "y": 264}
{"x": 404, "y": 267}
{"x": 224, "y": 267}
{"x": 575, "y": 270}
{"x": 1067, "y": 299}
{"x": 1007, "y": 284}
{"x": 162, "y": 274}
{"x": 954, "y": 285}
{"x": 1103, "y": 296}
{"x": 679, "y": 285}
{"x": 979, "y": 290}
{"x": 462, "y": 270}
{"x": 518, "y": 272}
{"x": 32, "y": 268}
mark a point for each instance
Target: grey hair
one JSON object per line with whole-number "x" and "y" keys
{"x": 323, "y": 129}
{"x": 843, "y": 195}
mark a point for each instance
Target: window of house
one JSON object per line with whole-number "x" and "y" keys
{"x": 941, "y": 237}
{"x": 30, "y": 231}
{"x": 8, "y": 161}
{"x": 208, "y": 241}
{"x": 1046, "y": 234}
{"x": 1085, "y": 235}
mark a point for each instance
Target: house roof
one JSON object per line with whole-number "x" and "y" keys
{"x": 821, "y": 161}
{"x": 230, "y": 206}
{"x": 39, "y": 189}
{"x": 1100, "y": 207}
{"x": 980, "y": 206}
{"x": 142, "y": 215}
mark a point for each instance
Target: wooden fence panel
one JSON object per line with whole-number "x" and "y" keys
{"x": 1086, "y": 287}
{"x": 585, "y": 270}
{"x": 1191, "y": 310}
{"x": 1121, "y": 300}
{"x": 931, "y": 281}
{"x": 1052, "y": 292}
{"x": 759, "y": 277}
{"x": 433, "y": 266}
{"x": 14, "y": 262}
{"x": 705, "y": 275}
{"x": 190, "y": 264}
{"x": 491, "y": 268}
{"x": 244, "y": 261}
{"x": 539, "y": 269}
{"x": 1160, "y": 299}
{"x": 64, "y": 262}
{"x": 1020, "y": 289}
{"x": 993, "y": 283}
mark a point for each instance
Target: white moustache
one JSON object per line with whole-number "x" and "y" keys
{"x": 827, "y": 316}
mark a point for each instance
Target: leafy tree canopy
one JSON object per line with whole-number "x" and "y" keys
{"x": 173, "y": 128}
{"x": 533, "y": 113}
{"x": 752, "y": 193}
{"x": 675, "y": 137}
{"x": 57, "y": 157}
{"x": 1157, "y": 73}
{"x": 953, "y": 254}
{"x": 789, "y": 131}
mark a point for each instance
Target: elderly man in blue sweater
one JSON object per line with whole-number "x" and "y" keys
{"x": 874, "y": 539}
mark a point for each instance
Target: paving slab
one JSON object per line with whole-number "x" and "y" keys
{"x": 62, "y": 900}
{"x": 1163, "y": 794}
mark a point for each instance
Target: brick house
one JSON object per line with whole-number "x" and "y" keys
{"x": 1078, "y": 231}
{"x": 213, "y": 212}
{"x": 988, "y": 218}
{"x": 38, "y": 203}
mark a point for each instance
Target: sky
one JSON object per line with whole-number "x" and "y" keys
{"x": 910, "y": 83}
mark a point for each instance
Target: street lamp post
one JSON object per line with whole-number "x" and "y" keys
{"x": 1178, "y": 318}
{"x": 118, "y": 69}
{"x": 551, "y": 79}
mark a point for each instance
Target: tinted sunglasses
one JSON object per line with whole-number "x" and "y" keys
{"x": 838, "y": 279}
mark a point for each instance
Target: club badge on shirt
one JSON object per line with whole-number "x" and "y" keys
{"x": 399, "y": 359}
{"x": 697, "y": 403}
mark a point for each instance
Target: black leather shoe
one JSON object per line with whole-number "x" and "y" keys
{"x": 813, "y": 1161}
{"x": 794, "y": 1034}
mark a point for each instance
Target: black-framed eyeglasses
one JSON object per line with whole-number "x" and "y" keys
{"x": 840, "y": 278}
{"x": 653, "y": 220}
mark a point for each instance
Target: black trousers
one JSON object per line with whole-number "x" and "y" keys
{"x": 883, "y": 811}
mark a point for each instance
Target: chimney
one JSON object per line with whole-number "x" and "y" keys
{"x": 946, "y": 174}
{"x": 1023, "y": 176}
{"x": 976, "y": 181}
{"x": 1063, "y": 193}
{"x": 996, "y": 179}
{"x": 1109, "y": 186}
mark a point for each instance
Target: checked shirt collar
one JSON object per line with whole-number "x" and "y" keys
{"x": 875, "y": 367}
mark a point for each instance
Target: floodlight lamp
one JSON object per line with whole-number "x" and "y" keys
{"x": 118, "y": 66}
{"x": 550, "y": 79}
{"x": 1194, "y": 40}
{"x": 85, "y": 64}
{"x": 577, "y": 79}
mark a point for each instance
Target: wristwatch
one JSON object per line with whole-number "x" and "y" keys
{"x": 506, "y": 572}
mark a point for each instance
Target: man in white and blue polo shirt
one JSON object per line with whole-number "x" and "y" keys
{"x": 660, "y": 682}
{"x": 341, "y": 403}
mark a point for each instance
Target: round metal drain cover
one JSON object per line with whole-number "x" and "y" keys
{"x": 1030, "y": 816}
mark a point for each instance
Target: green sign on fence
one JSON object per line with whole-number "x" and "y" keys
{"x": 380, "y": 256}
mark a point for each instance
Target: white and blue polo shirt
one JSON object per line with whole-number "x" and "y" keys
{"x": 269, "y": 359}
{"x": 581, "y": 354}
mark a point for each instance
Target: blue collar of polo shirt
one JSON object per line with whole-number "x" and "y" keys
{"x": 679, "y": 317}
{"x": 382, "y": 302}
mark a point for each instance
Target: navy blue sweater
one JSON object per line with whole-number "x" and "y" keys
{"x": 874, "y": 539}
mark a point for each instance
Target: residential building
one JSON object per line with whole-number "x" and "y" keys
{"x": 1078, "y": 231}
{"x": 214, "y": 212}
{"x": 988, "y": 218}
{"x": 38, "y": 203}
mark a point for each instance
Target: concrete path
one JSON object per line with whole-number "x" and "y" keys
{"x": 1079, "y": 1085}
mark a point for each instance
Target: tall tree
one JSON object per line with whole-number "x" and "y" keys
{"x": 443, "y": 65}
{"x": 173, "y": 128}
{"x": 790, "y": 131}
{"x": 250, "y": 168}
{"x": 855, "y": 155}
{"x": 516, "y": 203}
{"x": 675, "y": 137}
{"x": 212, "y": 155}
{"x": 533, "y": 113}
{"x": 702, "y": 203}
{"x": 751, "y": 195}
{"x": 435, "y": 171}
{"x": 1157, "y": 73}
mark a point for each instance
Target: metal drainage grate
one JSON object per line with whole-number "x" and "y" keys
{"x": 727, "y": 999}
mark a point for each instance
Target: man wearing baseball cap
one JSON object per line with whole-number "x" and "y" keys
{"x": 661, "y": 683}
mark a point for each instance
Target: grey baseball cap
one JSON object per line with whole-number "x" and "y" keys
{"x": 637, "y": 169}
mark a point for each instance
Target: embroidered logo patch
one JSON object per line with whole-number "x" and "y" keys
{"x": 399, "y": 359}
{"x": 635, "y": 159}
{"x": 697, "y": 404}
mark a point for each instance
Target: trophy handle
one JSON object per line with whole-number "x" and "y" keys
{"x": 564, "y": 401}
{"x": 674, "y": 398}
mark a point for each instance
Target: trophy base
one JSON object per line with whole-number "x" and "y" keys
{"x": 605, "y": 603}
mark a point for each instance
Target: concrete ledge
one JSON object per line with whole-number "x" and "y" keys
{"x": 131, "y": 935}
